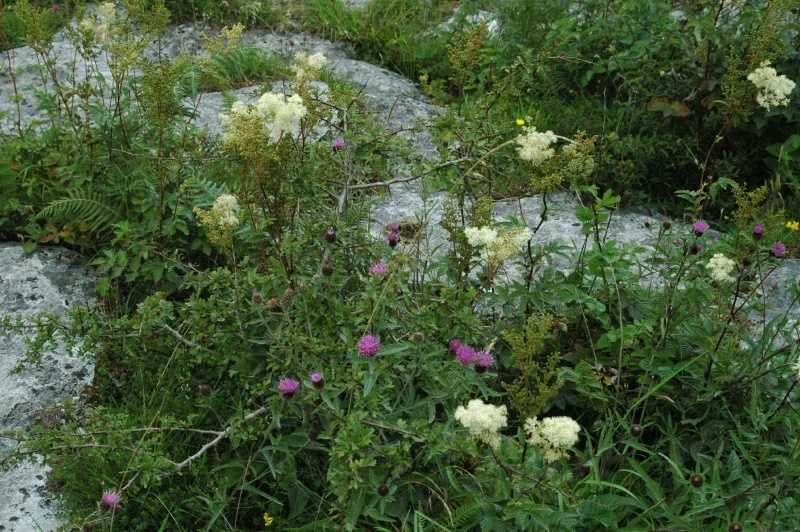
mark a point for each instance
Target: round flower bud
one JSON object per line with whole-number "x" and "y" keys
{"x": 758, "y": 232}
{"x": 417, "y": 337}
{"x": 666, "y": 225}
{"x": 383, "y": 490}
{"x": 317, "y": 380}
{"x": 257, "y": 298}
{"x": 747, "y": 261}
{"x": 204, "y": 390}
{"x": 735, "y": 527}
{"x": 636, "y": 431}
{"x": 330, "y": 236}
{"x": 696, "y": 480}
{"x": 327, "y": 271}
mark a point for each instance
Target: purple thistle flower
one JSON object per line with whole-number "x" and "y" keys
{"x": 394, "y": 228}
{"x": 368, "y": 346}
{"x": 317, "y": 380}
{"x": 288, "y": 387}
{"x": 453, "y": 345}
{"x": 646, "y": 222}
{"x": 379, "y": 268}
{"x": 758, "y": 232}
{"x": 392, "y": 239}
{"x": 330, "y": 236}
{"x": 696, "y": 248}
{"x": 484, "y": 359}
{"x": 778, "y": 249}
{"x": 466, "y": 355}
{"x": 338, "y": 143}
{"x": 700, "y": 227}
{"x": 257, "y": 298}
{"x": 111, "y": 499}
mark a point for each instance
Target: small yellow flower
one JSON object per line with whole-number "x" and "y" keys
{"x": 267, "y": 519}
{"x": 662, "y": 72}
{"x": 794, "y": 226}
{"x": 520, "y": 122}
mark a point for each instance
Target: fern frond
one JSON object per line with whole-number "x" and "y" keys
{"x": 83, "y": 206}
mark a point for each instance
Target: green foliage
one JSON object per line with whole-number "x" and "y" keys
{"x": 230, "y": 266}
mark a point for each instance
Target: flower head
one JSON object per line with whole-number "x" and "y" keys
{"x": 368, "y": 346}
{"x": 534, "y": 146}
{"x": 338, "y": 143}
{"x": 794, "y": 226}
{"x": 553, "y": 435}
{"x": 257, "y": 298}
{"x": 772, "y": 88}
{"x": 466, "y": 355}
{"x": 330, "y": 236}
{"x": 392, "y": 239}
{"x": 483, "y": 421}
{"x": 111, "y": 499}
{"x": 778, "y": 249}
{"x": 394, "y": 228}
{"x": 453, "y": 345}
{"x": 267, "y": 520}
{"x": 520, "y": 122}
{"x": 379, "y": 268}
{"x": 483, "y": 359}
{"x": 317, "y": 380}
{"x": 700, "y": 227}
{"x": 721, "y": 268}
{"x": 758, "y": 232}
{"x": 646, "y": 222}
{"x": 288, "y": 387}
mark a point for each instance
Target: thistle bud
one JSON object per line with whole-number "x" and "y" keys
{"x": 697, "y": 480}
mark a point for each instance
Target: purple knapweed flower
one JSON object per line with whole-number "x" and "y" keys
{"x": 379, "y": 268}
{"x": 483, "y": 361}
{"x": 778, "y": 249}
{"x": 317, "y": 380}
{"x": 338, "y": 143}
{"x": 758, "y": 232}
{"x": 392, "y": 239}
{"x": 288, "y": 387}
{"x": 646, "y": 222}
{"x": 394, "y": 228}
{"x": 330, "y": 236}
{"x": 466, "y": 355}
{"x": 453, "y": 345}
{"x": 368, "y": 346}
{"x": 111, "y": 499}
{"x": 700, "y": 227}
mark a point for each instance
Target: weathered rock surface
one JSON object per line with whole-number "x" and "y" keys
{"x": 48, "y": 281}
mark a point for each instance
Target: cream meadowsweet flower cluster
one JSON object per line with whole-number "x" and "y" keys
{"x": 721, "y": 268}
{"x": 307, "y": 67}
{"x": 498, "y": 247}
{"x": 483, "y": 421}
{"x": 103, "y": 29}
{"x": 274, "y": 115}
{"x": 534, "y": 146}
{"x": 553, "y": 435}
{"x": 221, "y": 219}
{"x": 772, "y": 88}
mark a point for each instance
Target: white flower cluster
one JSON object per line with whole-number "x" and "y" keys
{"x": 721, "y": 268}
{"x": 498, "y": 248}
{"x": 102, "y": 30}
{"x": 772, "y": 88}
{"x": 534, "y": 146}
{"x": 285, "y": 113}
{"x": 483, "y": 420}
{"x": 224, "y": 209}
{"x": 307, "y": 67}
{"x": 553, "y": 435}
{"x": 221, "y": 219}
{"x": 279, "y": 115}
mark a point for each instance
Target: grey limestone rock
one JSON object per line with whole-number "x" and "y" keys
{"x": 47, "y": 281}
